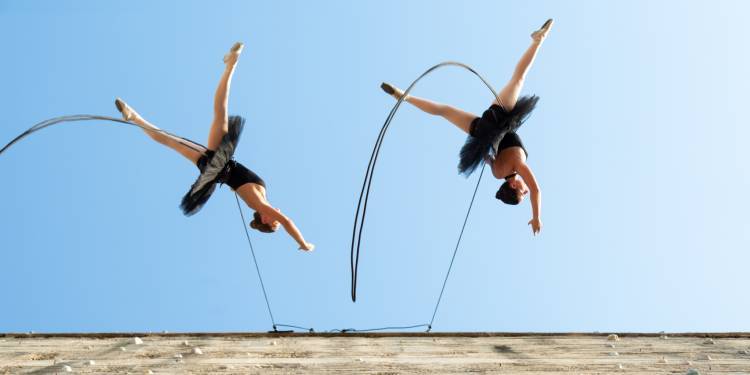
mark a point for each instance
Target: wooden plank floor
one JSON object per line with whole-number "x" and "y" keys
{"x": 389, "y": 353}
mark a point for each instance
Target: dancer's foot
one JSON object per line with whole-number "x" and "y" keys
{"x": 128, "y": 114}
{"x": 392, "y": 90}
{"x": 234, "y": 53}
{"x": 540, "y": 34}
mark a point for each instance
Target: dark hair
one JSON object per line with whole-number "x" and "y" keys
{"x": 259, "y": 225}
{"x": 507, "y": 194}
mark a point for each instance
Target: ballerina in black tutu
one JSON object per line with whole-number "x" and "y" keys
{"x": 492, "y": 137}
{"x": 215, "y": 161}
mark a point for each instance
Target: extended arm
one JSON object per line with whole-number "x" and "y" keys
{"x": 288, "y": 225}
{"x": 536, "y": 197}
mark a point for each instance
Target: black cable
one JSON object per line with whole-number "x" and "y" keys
{"x": 195, "y": 146}
{"x": 345, "y": 330}
{"x": 292, "y": 326}
{"x": 257, "y": 269}
{"x": 366, "y": 184}
{"x": 445, "y": 281}
{"x": 365, "y": 192}
{"x": 184, "y": 141}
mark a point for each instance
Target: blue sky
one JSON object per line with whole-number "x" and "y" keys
{"x": 638, "y": 143}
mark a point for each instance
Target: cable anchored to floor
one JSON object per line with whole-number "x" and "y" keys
{"x": 255, "y": 261}
{"x": 359, "y": 219}
{"x": 260, "y": 278}
{"x": 354, "y": 330}
{"x": 455, "y": 250}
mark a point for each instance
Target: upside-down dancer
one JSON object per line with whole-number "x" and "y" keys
{"x": 492, "y": 137}
{"x": 215, "y": 161}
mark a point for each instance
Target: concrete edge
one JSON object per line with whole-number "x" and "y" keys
{"x": 107, "y": 335}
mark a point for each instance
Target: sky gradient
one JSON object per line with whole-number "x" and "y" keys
{"x": 638, "y": 143}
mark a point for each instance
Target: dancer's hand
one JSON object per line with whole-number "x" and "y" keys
{"x": 307, "y": 247}
{"x": 536, "y": 225}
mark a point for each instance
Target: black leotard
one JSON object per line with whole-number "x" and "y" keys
{"x": 494, "y": 131}
{"x": 511, "y": 139}
{"x": 234, "y": 174}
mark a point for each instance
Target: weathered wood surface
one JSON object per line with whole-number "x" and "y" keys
{"x": 374, "y": 353}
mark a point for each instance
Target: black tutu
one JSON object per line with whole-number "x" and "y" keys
{"x": 488, "y": 130}
{"x": 213, "y": 168}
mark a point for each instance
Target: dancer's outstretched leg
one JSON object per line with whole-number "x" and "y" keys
{"x": 220, "y": 124}
{"x": 129, "y": 114}
{"x": 458, "y": 117}
{"x": 508, "y": 96}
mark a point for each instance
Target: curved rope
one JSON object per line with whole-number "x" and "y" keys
{"x": 364, "y": 194}
{"x": 195, "y": 146}
{"x": 187, "y": 143}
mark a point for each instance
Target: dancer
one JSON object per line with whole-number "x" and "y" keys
{"x": 215, "y": 161}
{"x": 492, "y": 137}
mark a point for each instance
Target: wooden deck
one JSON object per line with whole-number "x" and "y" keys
{"x": 383, "y": 353}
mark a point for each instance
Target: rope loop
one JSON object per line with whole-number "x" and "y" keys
{"x": 364, "y": 195}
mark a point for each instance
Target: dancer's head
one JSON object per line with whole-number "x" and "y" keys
{"x": 512, "y": 190}
{"x": 264, "y": 223}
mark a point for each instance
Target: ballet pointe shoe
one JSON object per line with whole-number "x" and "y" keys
{"x": 128, "y": 114}
{"x": 540, "y": 34}
{"x": 234, "y": 53}
{"x": 392, "y": 90}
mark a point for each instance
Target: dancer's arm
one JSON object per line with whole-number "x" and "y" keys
{"x": 536, "y": 196}
{"x": 288, "y": 225}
